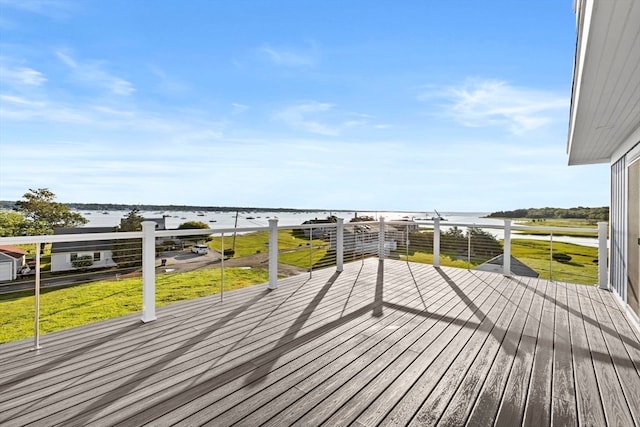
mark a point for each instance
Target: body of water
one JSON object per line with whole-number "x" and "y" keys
{"x": 261, "y": 219}
{"x": 227, "y": 219}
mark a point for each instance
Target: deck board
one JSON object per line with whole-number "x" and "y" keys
{"x": 381, "y": 343}
{"x": 538, "y": 407}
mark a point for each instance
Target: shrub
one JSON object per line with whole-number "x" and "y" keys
{"x": 82, "y": 261}
{"x": 561, "y": 257}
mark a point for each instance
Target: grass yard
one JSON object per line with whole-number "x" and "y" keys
{"x": 536, "y": 253}
{"x": 63, "y": 308}
{"x": 294, "y": 250}
{"x": 249, "y": 244}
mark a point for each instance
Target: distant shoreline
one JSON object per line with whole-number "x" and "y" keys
{"x": 9, "y": 205}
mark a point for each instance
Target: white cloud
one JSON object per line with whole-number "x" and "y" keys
{"x": 55, "y": 9}
{"x": 297, "y": 116}
{"x": 205, "y": 135}
{"x": 20, "y": 101}
{"x": 239, "y": 108}
{"x": 481, "y": 103}
{"x": 167, "y": 83}
{"x": 22, "y": 76}
{"x": 287, "y": 57}
{"x": 92, "y": 73}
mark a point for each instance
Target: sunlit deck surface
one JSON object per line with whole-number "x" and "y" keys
{"x": 380, "y": 343}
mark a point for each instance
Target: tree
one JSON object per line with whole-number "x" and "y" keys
{"x": 13, "y": 224}
{"x": 194, "y": 225}
{"x": 128, "y": 252}
{"x": 44, "y": 214}
{"x": 131, "y": 222}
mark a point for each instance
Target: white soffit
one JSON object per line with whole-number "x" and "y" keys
{"x": 605, "y": 100}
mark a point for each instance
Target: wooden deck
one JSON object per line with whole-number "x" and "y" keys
{"x": 378, "y": 344}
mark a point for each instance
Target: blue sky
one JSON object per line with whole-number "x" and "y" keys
{"x": 455, "y": 105}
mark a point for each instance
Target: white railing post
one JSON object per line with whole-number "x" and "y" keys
{"x": 381, "y": 239}
{"x": 436, "y": 242}
{"x": 551, "y": 256}
{"x": 340, "y": 245}
{"x": 506, "y": 256}
{"x": 603, "y": 271}
{"x": 36, "y": 319}
{"x": 273, "y": 253}
{"x": 222, "y": 267}
{"x": 148, "y": 271}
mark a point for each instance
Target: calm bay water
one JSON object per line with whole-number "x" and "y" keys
{"x": 288, "y": 218}
{"x": 261, "y": 219}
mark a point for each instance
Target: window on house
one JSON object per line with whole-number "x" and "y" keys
{"x": 74, "y": 256}
{"x": 96, "y": 256}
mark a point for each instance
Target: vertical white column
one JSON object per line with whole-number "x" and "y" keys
{"x": 273, "y": 253}
{"x": 436, "y": 242}
{"x": 603, "y": 270}
{"x": 148, "y": 271}
{"x": 381, "y": 239}
{"x": 506, "y": 256}
{"x": 340, "y": 245}
{"x": 221, "y": 267}
{"x": 36, "y": 319}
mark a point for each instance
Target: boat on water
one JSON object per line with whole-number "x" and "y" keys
{"x": 432, "y": 217}
{"x": 438, "y": 216}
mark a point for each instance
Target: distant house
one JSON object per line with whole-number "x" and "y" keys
{"x": 320, "y": 229}
{"x": 161, "y": 223}
{"x": 12, "y": 259}
{"x": 495, "y": 265}
{"x": 64, "y": 253}
{"x": 363, "y": 238}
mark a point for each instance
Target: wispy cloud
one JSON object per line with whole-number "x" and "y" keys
{"x": 304, "y": 117}
{"x": 22, "y": 76}
{"x": 55, "y": 9}
{"x": 200, "y": 136}
{"x": 21, "y": 101}
{"x": 93, "y": 73}
{"x": 481, "y": 103}
{"x": 238, "y": 108}
{"x": 168, "y": 84}
{"x": 288, "y": 57}
{"x": 324, "y": 119}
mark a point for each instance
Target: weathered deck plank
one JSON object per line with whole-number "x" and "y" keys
{"x": 379, "y": 344}
{"x": 538, "y": 407}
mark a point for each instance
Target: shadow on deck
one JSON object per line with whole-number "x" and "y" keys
{"x": 382, "y": 342}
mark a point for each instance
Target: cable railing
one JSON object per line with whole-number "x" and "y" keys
{"x": 554, "y": 253}
{"x": 124, "y": 272}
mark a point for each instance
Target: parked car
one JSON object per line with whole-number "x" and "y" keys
{"x": 200, "y": 249}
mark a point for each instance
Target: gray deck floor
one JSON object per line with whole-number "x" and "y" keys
{"x": 378, "y": 344}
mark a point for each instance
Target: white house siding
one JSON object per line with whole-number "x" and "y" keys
{"x": 9, "y": 266}
{"x": 62, "y": 261}
{"x": 7, "y": 270}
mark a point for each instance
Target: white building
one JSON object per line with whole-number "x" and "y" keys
{"x": 64, "y": 253}
{"x": 605, "y": 126}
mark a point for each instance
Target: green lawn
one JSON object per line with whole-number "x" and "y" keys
{"x": 63, "y": 308}
{"x": 535, "y": 253}
{"x": 294, "y": 250}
